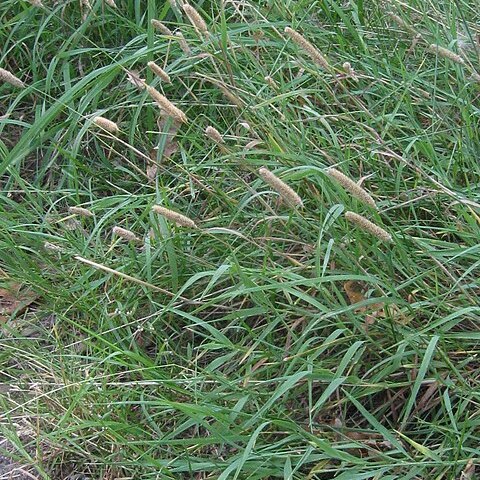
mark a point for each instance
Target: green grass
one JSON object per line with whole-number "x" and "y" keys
{"x": 232, "y": 351}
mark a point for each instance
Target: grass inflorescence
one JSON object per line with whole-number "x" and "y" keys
{"x": 282, "y": 285}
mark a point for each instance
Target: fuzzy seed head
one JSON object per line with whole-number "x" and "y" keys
{"x": 161, "y": 27}
{"x": 286, "y": 192}
{"x": 183, "y": 43}
{"x": 214, "y": 134}
{"x": 368, "y": 226}
{"x": 52, "y": 247}
{"x": 175, "y": 217}
{"x": 196, "y": 19}
{"x": 36, "y": 3}
{"x": 82, "y": 212}
{"x": 308, "y": 48}
{"x": 10, "y": 78}
{"x": 125, "y": 234}
{"x": 446, "y": 53}
{"x": 106, "y": 124}
{"x": 271, "y": 81}
{"x": 352, "y": 187}
{"x": 402, "y": 23}
{"x": 159, "y": 72}
{"x": 166, "y": 105}
{"x": 347, "y": 67}
{"x": 111, "y": 3}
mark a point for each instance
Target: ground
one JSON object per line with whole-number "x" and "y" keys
{"x": 255, "y": 329}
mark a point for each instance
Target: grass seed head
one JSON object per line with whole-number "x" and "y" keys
{"x": 352, "y": 187}
{"x": 286, "y": 192}
{"x": 368, "y": 226}
{"x": 446, "y": 53}
{"x": 10, "y": 78}
{"x": 159, "y": 72}
{"x": 106, "y": 124}
{"x": 347, "y": 67}
{"x": 166, "y": 105}
{"x": 183, "y": 44}
{"x": 36, "y": 3}
{"x": 271, "y": 81}
{"x": 308, "y": 48}
{"x": 111, "y": 3}
{"x": 52, "y": 247}
{"x": 125, "y": 234}
{"x": 161, "y": 27}
{"x": 196, "y": 19}
{"x": 214, "y": 134}
{"x": 175, "y": 217}
{"x": 82, "y": 212}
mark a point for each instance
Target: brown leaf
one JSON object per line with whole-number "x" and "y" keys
{"x": 468, "y": 471}
{"x": 134, "y": 78}
{"x": 14, "y": 299}
{"x": 170, "y": 146}
{"x": 354, "y": 291}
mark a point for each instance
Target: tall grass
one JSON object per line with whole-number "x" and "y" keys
{"x": 269, "y": 342}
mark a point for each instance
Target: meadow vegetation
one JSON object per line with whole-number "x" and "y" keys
{"x": 239, "y": 239}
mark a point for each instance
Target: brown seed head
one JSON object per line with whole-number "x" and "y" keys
{"x": 308, "y": 48}
{"x": 175, "y": 217}
{"x": 445, "y": 53}
{"x": 83, "y": 212}
{"x": 214, "y": 134}
{"x": 368, "y": 226}
{"x": 161, "y": 27}
{"x": 125, "y": 234}
{"x": 10, "y": 78}
{"x": 286, "y": 192}
{"x": 238, "y": 102}
{"x": 196, "y": 19}
{"x": 106, "y": 124}
{"x": 183, "y": 43}
{"x": 166, "y": 105}
{"x": 159, "y": 72}
{"x": 402, "y": 23}
{"x": 271, "y": 81}
{"x": 352, "y": 187}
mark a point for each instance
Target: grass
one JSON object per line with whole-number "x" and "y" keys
{"x": 271, "y": 341}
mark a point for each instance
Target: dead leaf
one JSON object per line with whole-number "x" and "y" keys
{"x": 170, "y": 146}
{"x": 14, "y": 299}
{"x": 134, "y": 78}
{"x": 468, "y": 471}
{"x": 354, "y": 291}
{"x": 253, "y": 144}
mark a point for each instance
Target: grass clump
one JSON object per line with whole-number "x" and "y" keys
{"x": 268, "y": 341}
